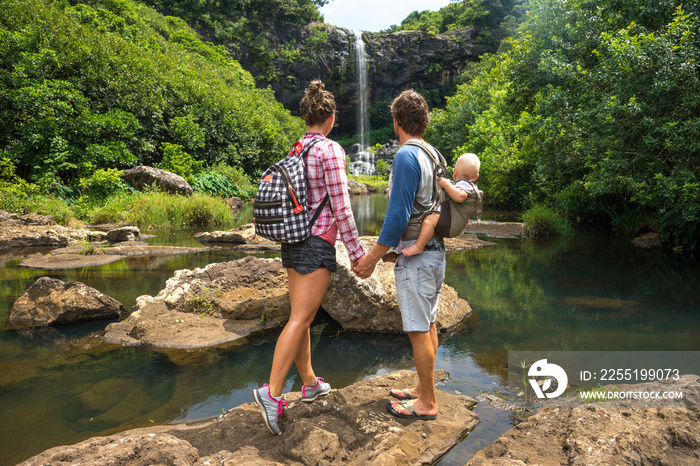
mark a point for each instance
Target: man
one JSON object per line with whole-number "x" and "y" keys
{"x": 419, "y": 277}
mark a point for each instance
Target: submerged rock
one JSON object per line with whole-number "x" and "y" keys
{"x": 348, "y": 426}
{"x": 52, "y": 301}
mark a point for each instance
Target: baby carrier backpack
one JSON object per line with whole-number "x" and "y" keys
{"x": 453, "y": 215}
{"x": 280, "y": 211}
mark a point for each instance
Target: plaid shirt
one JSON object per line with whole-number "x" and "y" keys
{"x": 325, "y": 173}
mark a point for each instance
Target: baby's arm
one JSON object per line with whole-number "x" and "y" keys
{"x": 456, "y": 194}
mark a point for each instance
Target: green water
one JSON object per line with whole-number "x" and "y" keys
{"x": 590, "y": 292}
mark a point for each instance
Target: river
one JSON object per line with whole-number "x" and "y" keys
{"x": 591, "y": 291}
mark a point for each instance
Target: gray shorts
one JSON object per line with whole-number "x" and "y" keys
{"x": 418, "y": 282}
{"x": 309, "y": 255}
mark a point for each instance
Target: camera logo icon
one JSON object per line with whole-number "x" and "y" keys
{"x": 544, "y": 369}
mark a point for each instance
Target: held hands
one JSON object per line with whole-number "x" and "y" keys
{"x": 364, "y": 266}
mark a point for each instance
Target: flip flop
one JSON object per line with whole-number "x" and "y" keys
{"x": 413, "y": 414}
{"x": 406, "y": 394}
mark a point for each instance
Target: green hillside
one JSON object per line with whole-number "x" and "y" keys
{"x": 114, "y": 84}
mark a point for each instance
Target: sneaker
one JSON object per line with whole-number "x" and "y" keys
{"x": 309, "y": 394}
{"x": 270, "y": 407}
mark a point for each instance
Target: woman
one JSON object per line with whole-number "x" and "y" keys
{"x": 310, "y": 263}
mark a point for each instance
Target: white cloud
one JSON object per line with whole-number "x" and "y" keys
{"x": 374, "y": 15}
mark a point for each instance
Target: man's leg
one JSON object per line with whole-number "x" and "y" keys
{"x": 415, "y": 392}
{"x": 424, "y": 352}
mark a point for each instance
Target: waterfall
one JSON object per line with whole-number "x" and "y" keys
{"x": 362, "y": 160}
{"x": 361, "y": 66}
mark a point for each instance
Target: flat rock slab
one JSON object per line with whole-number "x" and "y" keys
{"x": 465, "y": 241}
{"x": 68, "y": 261}
{"x": 605, "y": 433}
{"x": 40, "y": 235}
{"x": 496, "y": 229}
{"x": 156, "y": 326}
{"x": 71, "y": 258}
{"x": 137, "y": 248}
{"x": 348, "y": 426}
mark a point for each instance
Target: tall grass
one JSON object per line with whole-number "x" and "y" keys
{"x": 18, "y": 202}
{"x": 158, "y": 210}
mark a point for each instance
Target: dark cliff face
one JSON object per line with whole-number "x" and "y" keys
{"x": 296, "y": 55}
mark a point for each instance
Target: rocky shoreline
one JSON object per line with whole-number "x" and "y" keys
{"x": 350, "y": 426}
{"x": 228, "y": 303}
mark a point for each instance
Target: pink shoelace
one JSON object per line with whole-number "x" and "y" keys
{"x": 281, "y": 404}
{"x": 304, "y": 387}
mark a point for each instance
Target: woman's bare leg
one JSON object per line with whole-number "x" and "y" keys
{"x": 306, "y": 291}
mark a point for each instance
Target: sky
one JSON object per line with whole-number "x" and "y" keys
{"x": 374, "y": 15}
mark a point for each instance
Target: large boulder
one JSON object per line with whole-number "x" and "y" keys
{"x": 122, "y": 234}
{"x": 355, "y": 187}
{"x": 225, "y": 302}
{"x": 52, "y": 301}
{"x": 370, "y": 304}
{"x": 142, "y": 176}
{"x": 348, "y": 426}
{"x": 218, "y": 304}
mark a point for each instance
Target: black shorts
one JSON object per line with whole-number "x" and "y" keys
{"x": 309, "y": 255}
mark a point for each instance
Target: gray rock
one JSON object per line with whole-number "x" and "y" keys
{"x": 225, "y": 302}
{"x": 218, "y": 304}
{"x": 355, "y": 187}
{"x": 142, "y": 176}
{"x": 602, "y": 433}
{"x": 235, "y": 204}
{"x": 348, "y": 426}
{"x": 241, "y": 235}
{"x": 648, "y": 240}
{"x": 122, "y": 234}
{"x": 370, "y": 304}
{"x": 52, "y": 301}
{"x": 8, "y": 219}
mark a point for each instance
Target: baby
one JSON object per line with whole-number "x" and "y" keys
{"x": 466, "y": 169}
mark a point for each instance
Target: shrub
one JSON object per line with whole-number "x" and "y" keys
{"x": 543, "y": 221}
{"x": 245, "y": 185}
{"x": 215, "y": 184}
{"x": 103, "y": 184}
{"x": 177, "y": 161}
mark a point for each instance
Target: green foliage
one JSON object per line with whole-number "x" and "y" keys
{"x": 244, "y": 185}
{"x": 493, "y": 19}
{"x": 215, "y": 184}
{"x": 383, "y": 169}
{"x": 25, "y": 198}
{"x": 177, "y": 161}
{"x": 157, "y": 209}
{"x": 543, "y": 221}
{"x": 593, "y": 109}
{"x": 111, "y": 84}
{"x": 103, "y": 184}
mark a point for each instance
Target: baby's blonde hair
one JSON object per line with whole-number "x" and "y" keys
{"x": 468, "y": 165}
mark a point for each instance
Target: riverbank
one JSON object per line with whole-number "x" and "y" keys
{"x": 581, "y": 292}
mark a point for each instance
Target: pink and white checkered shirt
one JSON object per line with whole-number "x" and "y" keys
{"x": 325, "y": 173}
